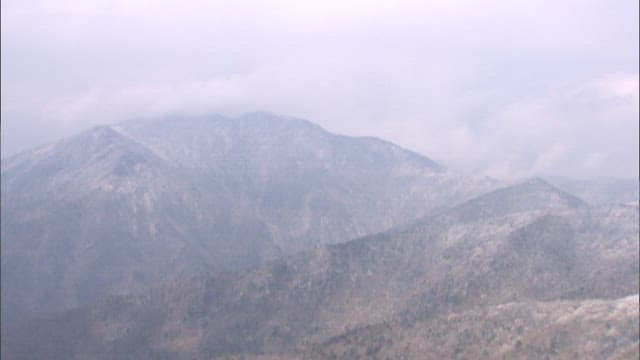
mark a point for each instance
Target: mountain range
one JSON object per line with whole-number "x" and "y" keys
{"x": 121, "y": 207}
{"x": 267, "y": 237}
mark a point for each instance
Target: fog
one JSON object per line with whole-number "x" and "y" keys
{"x": 504, "y": 88}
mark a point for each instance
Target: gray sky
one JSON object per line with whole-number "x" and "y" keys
{"x": 508, "y": 88}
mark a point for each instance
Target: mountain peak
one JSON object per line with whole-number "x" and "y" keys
{"x": 527, "y": 195}
{"x": 535, "y": 181}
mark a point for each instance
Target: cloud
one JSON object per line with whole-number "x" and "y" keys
{"x": 488, "y": 86}
{"x": 588, "y": 130}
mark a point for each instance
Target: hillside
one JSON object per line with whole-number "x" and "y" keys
{"x": 587, "y": 329}
{"x": 546, "y": 258}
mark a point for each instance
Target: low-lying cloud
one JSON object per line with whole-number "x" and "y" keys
{"x": 507, "y": 89}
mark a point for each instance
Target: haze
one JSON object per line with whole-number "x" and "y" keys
{"x": 499, "y": 87}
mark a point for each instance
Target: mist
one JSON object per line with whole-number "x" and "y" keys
{"x": 500, "y": 88}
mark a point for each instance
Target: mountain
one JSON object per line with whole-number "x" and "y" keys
{"x": 533, "y": 193}
{"x": 121, "y": 207}
{"x": 454, "y": 283}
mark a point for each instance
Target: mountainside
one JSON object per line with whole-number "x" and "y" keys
{"x": 587, "y": 329}
{"x": 433, "y": 281}
{"x": 124, "y": 206}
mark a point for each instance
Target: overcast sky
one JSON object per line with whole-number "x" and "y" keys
{"x": 507, "y": 88}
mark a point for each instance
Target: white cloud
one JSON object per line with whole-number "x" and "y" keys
{"x": 572, "y": 130}
{"x": 491, "y": 86}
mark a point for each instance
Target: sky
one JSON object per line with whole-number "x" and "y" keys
{"x": 504, "y": 88}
